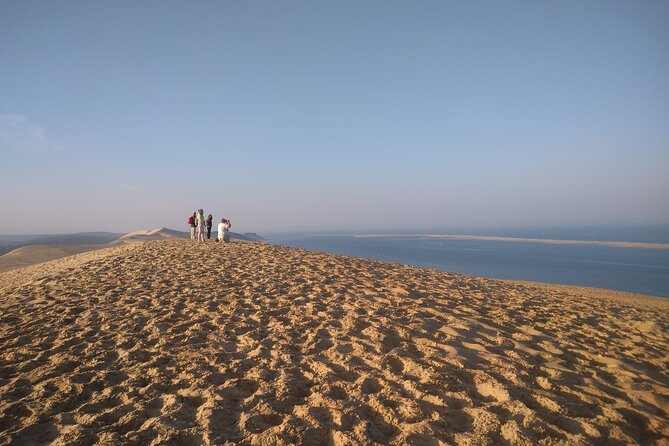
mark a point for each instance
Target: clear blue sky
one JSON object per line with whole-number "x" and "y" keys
{"x": 339, "y": 115}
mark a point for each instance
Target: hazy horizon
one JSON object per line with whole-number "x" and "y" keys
{"x": 652, "y": 233}
{"x": 297, "y": 116}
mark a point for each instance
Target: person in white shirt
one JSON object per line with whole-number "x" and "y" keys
{"x": 224, "y": 230}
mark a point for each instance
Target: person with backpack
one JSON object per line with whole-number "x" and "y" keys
{"x": 192, "y": 222}
{"x": 209, "y": 223}
{"x": 200, "y": 225}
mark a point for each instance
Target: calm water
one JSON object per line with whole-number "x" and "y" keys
{"x": 643, "y": 271}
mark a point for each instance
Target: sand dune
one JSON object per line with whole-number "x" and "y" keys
{"x": 33, "y": 254}
{"x": 30, "y": 255}
{"x": 173, "y": 342}
{"x": 154, "y": 234}
{"x": 39, "y": 253}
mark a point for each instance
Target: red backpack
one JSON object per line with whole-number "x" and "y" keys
{"x": 190, "y": 220}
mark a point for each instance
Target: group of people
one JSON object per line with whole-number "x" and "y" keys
{"x": 198, "y": 224}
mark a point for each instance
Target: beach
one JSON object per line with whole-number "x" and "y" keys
{"x": 175, "y": 342}
{"x": 521, "y": 240}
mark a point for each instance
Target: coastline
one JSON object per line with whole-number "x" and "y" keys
{"x": 519, "y": 240}
{"x": 38, "y": 254}
{"x": 597, "y": 293}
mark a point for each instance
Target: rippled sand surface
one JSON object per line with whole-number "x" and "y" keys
{"x": 173, "y": 342}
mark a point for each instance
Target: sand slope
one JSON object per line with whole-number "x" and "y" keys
{"x": 32, "y": 254}
{"x": 39, "y": 253}
{"x": 154, "y": 234}
{"x": 173, "y": 342}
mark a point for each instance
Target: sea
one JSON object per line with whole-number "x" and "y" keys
{"x": 636, "y": 270}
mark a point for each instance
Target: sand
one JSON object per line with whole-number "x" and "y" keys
{"x": 30, "y": 255}
{"x": 33, "y": 254}
{"x": 638, "y": 245}
{"x": 173, "y": 342}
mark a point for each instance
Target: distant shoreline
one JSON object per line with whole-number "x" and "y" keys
{"x": 520, "y": 240}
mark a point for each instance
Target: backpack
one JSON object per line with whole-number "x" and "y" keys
{"x": 191, "y": 221}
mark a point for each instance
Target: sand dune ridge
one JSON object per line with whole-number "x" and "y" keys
{"x": 172, "y": 342}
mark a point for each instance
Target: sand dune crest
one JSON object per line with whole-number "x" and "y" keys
{"x": 172, "y": 342}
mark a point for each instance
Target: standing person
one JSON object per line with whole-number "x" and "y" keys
{"x": 200, "y": 225}
{"x": 192, "y": 221}
{"x": 223, "y": 230}
{"x": 209, "y": 223}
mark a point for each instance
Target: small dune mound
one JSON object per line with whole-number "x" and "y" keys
{"x": 181, "y": 343}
